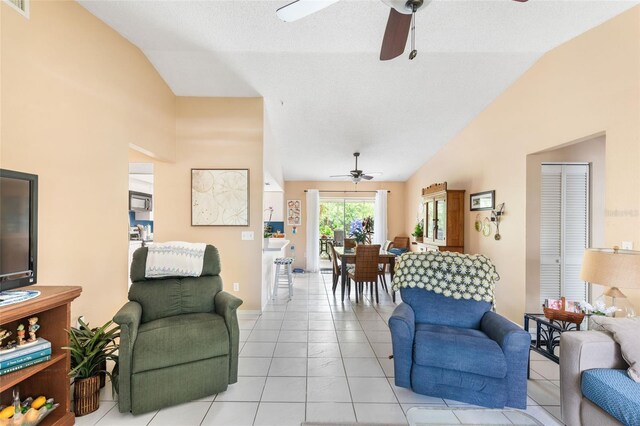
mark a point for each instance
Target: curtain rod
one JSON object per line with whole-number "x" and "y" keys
{"x": 330, "y": 190}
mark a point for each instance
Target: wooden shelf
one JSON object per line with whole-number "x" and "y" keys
{"x": 51, "y": 378}
{"x": 12, "y": 379}
{"x": 50, "y": 297}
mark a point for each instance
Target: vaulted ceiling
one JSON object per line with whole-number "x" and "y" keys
{"x": 326, "y": 93}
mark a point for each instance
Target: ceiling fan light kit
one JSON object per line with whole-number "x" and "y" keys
{"x": 402, "y": 20}
{"x": 356, "y": 175}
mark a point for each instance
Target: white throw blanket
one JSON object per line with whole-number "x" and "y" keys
{"x": 175, "y": 259}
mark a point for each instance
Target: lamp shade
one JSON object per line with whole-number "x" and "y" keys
{"x": 611, "y": 267}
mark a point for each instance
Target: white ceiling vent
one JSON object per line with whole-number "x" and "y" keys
{"x": 22, "y": 6}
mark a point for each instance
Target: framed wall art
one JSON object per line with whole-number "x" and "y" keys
{"x": 294, "y": 212}
{"x": 482, "y": 201}
{"x": 219, "y": 197}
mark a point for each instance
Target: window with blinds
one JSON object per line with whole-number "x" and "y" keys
{"x": 22, "y": 6}
{"x": 564, "y": 230}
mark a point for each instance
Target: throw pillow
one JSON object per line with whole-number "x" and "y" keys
{"x": 625, "y": 332}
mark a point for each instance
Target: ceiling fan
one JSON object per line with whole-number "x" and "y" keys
{"x": 402, "y": 18}
{"x": 357, "y": 175}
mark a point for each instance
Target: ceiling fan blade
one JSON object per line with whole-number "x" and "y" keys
{"x": 366, "y": 177}
{"x": 301, "y": 8}
{"x": 340, "y": 176}
{"x": 374, "y": 173}
{"x": 395, "y": 36}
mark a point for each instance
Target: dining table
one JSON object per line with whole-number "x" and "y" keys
{"x": 348, "y": 256}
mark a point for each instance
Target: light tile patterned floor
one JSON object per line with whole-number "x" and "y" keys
{"x": 317, "y": 359}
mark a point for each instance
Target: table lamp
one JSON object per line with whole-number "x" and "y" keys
{"x": 613, "y": 268}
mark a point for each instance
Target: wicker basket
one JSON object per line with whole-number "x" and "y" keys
{"x": 562, "y": 315}
{"x": 86, "y": 395}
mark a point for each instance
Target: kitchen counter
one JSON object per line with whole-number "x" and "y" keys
{"x": 275, "y": 244}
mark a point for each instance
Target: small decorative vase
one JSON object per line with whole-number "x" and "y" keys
{"x": 86, "y": 395}
{"x": 419, "y": 239}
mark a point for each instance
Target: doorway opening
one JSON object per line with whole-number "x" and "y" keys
{"x": 339, "y": 218}
{"x": 565, "y": 214}
{"x": 141, "y": 207}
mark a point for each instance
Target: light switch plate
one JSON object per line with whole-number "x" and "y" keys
{"x": 247, "y": 235}
{"x": 627, "y": 245}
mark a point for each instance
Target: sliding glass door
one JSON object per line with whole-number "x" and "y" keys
{"x": 340, "y": 213}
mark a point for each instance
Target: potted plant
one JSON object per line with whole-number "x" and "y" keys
{"x": 418, "y": 232}
{"x": 361, "y": 230}
{"x": 90, "y": 349}
{"x": 325, "y": 231}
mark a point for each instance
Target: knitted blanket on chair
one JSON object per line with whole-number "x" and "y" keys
{"x": 457, "y": 275}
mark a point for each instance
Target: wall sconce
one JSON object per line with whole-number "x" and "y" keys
{"x": 496, "y": 216}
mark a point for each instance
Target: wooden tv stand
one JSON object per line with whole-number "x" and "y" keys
{"x": 51, "y": 378}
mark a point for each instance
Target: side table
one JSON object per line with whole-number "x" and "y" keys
{"x": 547, "y": 337}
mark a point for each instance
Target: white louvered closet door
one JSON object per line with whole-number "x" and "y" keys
{"x": 564, "y": 230}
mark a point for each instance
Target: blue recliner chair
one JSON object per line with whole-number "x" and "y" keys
{"x": 458, "y": 349}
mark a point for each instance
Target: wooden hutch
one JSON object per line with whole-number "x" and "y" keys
{"x": 443, "y": 218}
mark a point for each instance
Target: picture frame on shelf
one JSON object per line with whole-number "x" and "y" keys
{"x": 482, "y": 201}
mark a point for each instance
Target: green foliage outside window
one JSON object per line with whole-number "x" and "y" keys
{"x": 339, "y": 214}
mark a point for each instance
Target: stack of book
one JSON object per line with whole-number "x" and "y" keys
{"x": 25, "y": 356}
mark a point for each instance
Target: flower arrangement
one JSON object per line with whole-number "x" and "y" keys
{"x": 361, "y": 230}
{"x": 267, "y": 229}
{"x": 598, "y": 308}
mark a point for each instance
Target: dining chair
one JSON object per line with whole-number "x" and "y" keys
{"x": 399, "y": 245}
{"x": 366, "y": 269}
{"x": 382, "y": 272}
{"x": 349, "y": 243}
{"x": 383, "y": 266}
{"x": 337, "y": 269}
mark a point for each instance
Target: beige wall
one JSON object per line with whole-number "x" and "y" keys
{"x": 275, "y": 200}
{"x": 588, "y": 86}
{"x": 75, "y": 94}
{"x": 294, "y": 190}
{"x": 591, "y": 151}
{"x": 214, "y": 133}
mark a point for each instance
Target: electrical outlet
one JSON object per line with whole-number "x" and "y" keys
{"x": 627, "y": 245}
{"x": 236, "y": 286}
{"x": 247, "y": 235}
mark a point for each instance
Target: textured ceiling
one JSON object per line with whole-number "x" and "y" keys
{"x": 326, "y": 93}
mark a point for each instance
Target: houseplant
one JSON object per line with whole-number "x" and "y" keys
{"x": 361, "y": 230}
{"x": 90, "y": 349}
{"x": 418, "y": 232}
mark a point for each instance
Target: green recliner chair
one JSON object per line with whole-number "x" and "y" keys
{"x": 179, "y": 337}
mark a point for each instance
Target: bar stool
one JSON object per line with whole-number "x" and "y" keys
{"x": 280, "y": 276}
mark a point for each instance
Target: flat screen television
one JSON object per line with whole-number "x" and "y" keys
{"x": 18, "y": 229}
